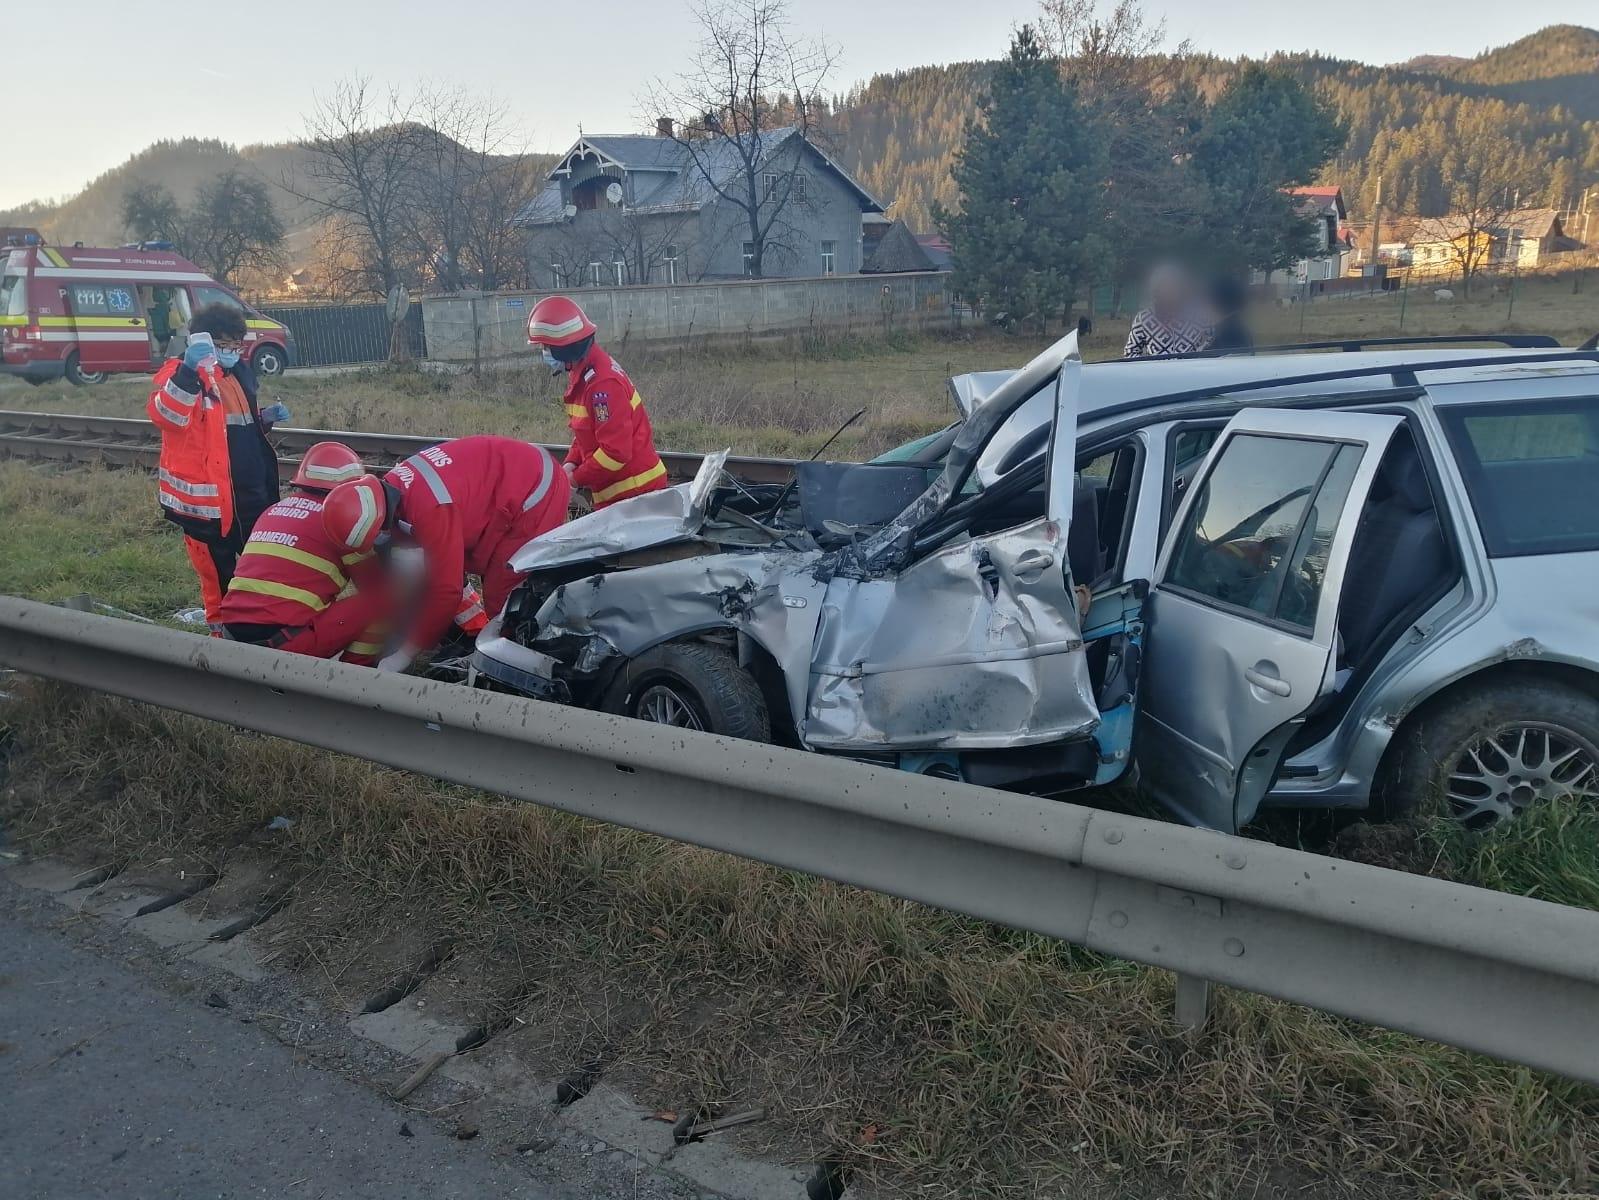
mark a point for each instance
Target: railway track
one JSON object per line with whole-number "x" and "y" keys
{"x": 134, "y": 442}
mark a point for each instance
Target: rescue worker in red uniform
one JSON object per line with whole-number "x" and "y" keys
{"x": 292, "y": 588}
{"x": 469, "y": 505}
{"x": 613, "y": 447}
{"x": 218, "y": 472}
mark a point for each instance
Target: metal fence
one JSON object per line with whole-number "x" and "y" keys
{"x": 328, "y": 335}
{"x": 1505, "y": 975}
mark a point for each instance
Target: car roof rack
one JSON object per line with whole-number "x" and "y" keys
{"x": 1513, "y": 341}
{"x": 1403, "y": 373}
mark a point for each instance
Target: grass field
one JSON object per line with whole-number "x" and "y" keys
{"x": 984, "y": 1061}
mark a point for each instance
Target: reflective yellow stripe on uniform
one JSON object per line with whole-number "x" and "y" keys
{"x": 576, "y": 411}
{"x": 371, "y": 649}
{"x": 267, "y": 587}
{"x": 315, "y": 562}
{"x": 636, "y": 401}
{"x": 628, "y": 484}
{"x": 606, "y": 461}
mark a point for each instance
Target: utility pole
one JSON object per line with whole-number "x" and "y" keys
{"x": 1376, "y": 222}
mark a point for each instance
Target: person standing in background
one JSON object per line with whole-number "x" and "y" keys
{"x": 1173, "y": 321}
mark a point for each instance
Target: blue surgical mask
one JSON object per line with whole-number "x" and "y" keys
{"x": 550, "y": 360}
{"x": 228, "y": 358}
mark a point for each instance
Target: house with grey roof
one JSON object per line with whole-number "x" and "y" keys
{"x": 637, "y": 209}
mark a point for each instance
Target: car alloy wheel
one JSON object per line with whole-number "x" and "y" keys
{"x": 1497, "y": 776}
{"x": 665, "y": 706}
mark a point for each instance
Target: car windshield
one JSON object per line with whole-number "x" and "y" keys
{"x": 13, "y": 296}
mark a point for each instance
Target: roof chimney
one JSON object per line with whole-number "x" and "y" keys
{"x": 663, "y": 127}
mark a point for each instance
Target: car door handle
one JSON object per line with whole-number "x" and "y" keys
{"x": 1274, "y": 684}
{"x": 1032, "y": 564}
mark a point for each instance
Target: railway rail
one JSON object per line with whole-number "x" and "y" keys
{"x": 135, "y": 442}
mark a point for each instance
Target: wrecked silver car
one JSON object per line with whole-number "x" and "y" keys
{"x": 1360, "y": 575}
{"x": 914, "y": 612}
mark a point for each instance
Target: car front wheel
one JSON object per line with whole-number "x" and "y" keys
{"x": 689, "y": 685}
{"x": 1490, "y": 753}
{"x": 267, "y": 360}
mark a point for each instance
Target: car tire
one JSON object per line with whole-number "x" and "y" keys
{"x": 78, "y": 376}
{"x": 268, "y": 360}
{"x": 1485, "y": 754}
{"x": 690, "y": 685}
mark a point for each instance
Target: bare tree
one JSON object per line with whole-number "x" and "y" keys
{"x": 361, "y": 172}
{"x": 750, "y": 86}
{"x": 1483, "y": 171}
{"x": 232, "y": 225}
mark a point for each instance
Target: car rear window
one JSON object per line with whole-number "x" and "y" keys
{"x": 1533, "y": 473}
{"x": 13, "y": 296}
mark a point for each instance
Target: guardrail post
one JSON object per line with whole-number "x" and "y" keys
{"x": 1193, "y": 1001}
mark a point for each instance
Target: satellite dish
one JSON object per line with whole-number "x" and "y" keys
{"x": 613, "y": 193}
{"x": 569, "y": 211}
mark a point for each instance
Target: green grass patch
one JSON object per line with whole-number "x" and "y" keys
{"x": 1550, "y": 852}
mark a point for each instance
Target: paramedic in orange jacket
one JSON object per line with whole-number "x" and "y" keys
{"x": 218, "y": 472}
{"x": 296, "y": 589}
{"x": 613, "y": 447}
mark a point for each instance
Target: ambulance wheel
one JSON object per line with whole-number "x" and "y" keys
{"x": 267, "y": 360}
{"x": 77, "y": 375}
{"x": 690, "y": 685}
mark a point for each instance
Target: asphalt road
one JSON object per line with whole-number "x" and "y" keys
{"x": 111, "y": 1086}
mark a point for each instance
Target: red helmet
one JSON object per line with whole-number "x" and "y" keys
{"x": 355, "y": 514}
{"x": 557, "y": 321}
{"x": 326, "y": 465}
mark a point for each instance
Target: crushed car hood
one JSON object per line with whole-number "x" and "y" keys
{"x": 673, "y": 514}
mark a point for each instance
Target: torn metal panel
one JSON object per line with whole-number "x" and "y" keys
{"x": 886, "y": 550}
{"x": 653, "y": 519}
{"x": 974, "y": 647}
{"x": 773, "y": 597}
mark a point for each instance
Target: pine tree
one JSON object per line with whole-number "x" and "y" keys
{"x": 1265, "y": 132}
{"x": 1031, "y": 174}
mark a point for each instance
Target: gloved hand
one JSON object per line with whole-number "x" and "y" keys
{"x": 275, "y": 413}
{"x": 199, "y": 351}
{"x": 569, "y": 468}
{"x": 398, "y": 662}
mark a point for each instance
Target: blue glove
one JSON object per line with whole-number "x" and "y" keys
{"x": 275, "y": 413}
{"x": 199, "y": 350}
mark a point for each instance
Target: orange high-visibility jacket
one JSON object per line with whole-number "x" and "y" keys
{"x": 196, "y": 488}
{"x": 613, "y": 447}
{"x": 217, "y": 469}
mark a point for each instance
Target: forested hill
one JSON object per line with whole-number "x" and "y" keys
{"x": 899, "y": 133}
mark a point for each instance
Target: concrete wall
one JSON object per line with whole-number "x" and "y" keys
{"x": 461, "y": 328}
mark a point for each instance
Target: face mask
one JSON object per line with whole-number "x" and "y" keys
{"x": 550, "y": 361}
{"x": 228, "y": 358}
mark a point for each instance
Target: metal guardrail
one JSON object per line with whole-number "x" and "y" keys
{"x": 1504, "y": 975}
{"x": 129, "y": 441}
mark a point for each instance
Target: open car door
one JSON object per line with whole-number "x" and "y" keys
{"x": 974, "y": 643}
{"x": 1243, "y": 616}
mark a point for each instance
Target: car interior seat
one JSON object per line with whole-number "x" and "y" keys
{"x": 1084, "y": 554}
{"x": 1399, "y": 556}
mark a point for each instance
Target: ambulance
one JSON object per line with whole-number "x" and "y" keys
{"x": 86, "y": 313}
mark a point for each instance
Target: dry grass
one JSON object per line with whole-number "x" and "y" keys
{"x": 991, "y": 1062}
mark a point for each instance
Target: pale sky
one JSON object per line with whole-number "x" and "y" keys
{"x": 90, "y": 82}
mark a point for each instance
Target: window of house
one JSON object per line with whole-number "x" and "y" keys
{"x": 829, "y": 257}
{"x": 749, "y": 258}
{"x": 594, "y": 274}
{"x": 771, "y": 184}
